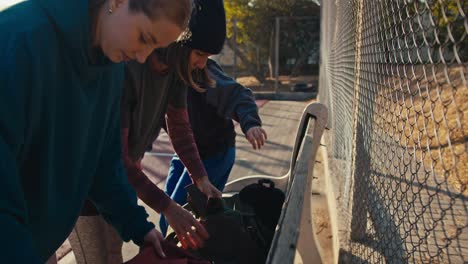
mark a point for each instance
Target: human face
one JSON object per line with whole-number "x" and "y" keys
{"x": 125, "y": 36}
{"x": 198, "y": 59}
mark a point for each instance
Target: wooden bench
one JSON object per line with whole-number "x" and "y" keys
{"x": 295, "y": 237}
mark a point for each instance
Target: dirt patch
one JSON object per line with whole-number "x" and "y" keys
{"x": 428, "y": 115}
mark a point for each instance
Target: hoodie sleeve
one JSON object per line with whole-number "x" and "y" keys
{"x": 16, "y": 244}
{"x": 111, "y": 192}
{"x": 177, "y": 126}
{"x": 183, "y": 141}
{"x": 147, "y": 191}
{"x": 231, "y": 99}
{"x": 144, "y": 187}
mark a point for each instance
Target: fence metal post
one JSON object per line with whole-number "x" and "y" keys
{"x": 360, "y": 207}
{"x": 234, "y": 36}
{"x": 277, "y": 31}
{"x": 258, "y": 58}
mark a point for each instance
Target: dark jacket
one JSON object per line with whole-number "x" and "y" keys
{"x": 144, "y": 104}
{"x": 59, "y": 132}
{"x": 211, "y": 112}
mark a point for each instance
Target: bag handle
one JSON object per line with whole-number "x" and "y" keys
{"x": 267, "y": 183}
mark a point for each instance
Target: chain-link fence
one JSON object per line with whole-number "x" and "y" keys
{"x": 394, "y": 76}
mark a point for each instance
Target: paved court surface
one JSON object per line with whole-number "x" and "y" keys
{"x": 280, "y": 120}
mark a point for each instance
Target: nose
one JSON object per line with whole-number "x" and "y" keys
{"x": 201, "y": 62}
{"x": 141, "y": 55}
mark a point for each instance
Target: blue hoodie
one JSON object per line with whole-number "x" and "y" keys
{"x": 59, "y": 132}
{"x": 211, "y": 112}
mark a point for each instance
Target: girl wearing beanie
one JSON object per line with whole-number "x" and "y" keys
{"x": 214, "y": 100}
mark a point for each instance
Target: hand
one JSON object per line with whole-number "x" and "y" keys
{"x": 207, "y": 188}
{"x": 189, "y": 231}
{"x": 256, "y": 136}
{"x": 155, "y": 237}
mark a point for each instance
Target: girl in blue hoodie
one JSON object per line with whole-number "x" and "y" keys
{"x": 60, "y": 88}
{"x": 213, "y": 101}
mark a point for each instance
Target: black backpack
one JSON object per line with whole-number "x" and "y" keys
{"x": 241, "y": 227}
{"x": 266, "y": 202}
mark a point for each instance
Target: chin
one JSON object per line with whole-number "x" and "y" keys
{"x": 115, "y": 59}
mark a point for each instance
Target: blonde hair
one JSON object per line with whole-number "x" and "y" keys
{"x": 176, "y": 11}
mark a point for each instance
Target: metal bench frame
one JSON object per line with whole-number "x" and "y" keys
{"x": 295, "y": 231}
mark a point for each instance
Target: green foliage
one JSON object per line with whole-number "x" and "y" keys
{"x": 439, "y": 24}
{"x": 451, "y": 25}
{"x": 241, "y": 11}
{"x": 256, "y": 25}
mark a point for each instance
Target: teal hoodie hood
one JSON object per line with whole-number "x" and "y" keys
{"x": 59, "y": 131}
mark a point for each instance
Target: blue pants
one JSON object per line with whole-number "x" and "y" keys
{"x": 218, "y": 168}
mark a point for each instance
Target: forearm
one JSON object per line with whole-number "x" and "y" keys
{"x": 183, "y": 141}
{"x": 246, "y": 110}
{"x": 250, "y": 120}
{"x": 233, "y": 100}
{"x": 146, "y": 190}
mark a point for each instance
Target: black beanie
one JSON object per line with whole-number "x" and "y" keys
{"x": 208, "y": 26}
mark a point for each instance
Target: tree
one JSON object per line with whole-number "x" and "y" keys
{"x": 256, "y": 28}
{"x": 451, "y": 25}
{"x": 440, "y": 26}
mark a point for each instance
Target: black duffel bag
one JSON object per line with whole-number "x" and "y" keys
{"x": 241, "y": 232}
